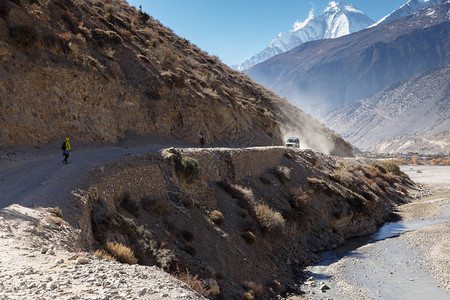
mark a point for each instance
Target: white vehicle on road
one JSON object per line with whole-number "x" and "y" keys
{"x": 292, "y": 142}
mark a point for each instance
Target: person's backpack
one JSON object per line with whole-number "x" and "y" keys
{"x": 63, "y": 147}
{"x": 202, "y": 140}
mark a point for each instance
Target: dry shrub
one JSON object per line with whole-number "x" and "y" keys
{"x": 300, "y": 201}
{"x": 217, "y": 217}
{"x": 368, "y": 181}
{"x": 288, "y": 155}
{"x": 244, "y": 196}
{"x": 56, "y": 211}
{"x": 125, "y": 33}
{"x": 282, "y": 173}
{"x": 392, "y": 167}
{"x": 369, "y": 172}
{"x": 102, "y": 254}
{"x": 211, "y": 93}
{"x": 254, "y": 290}
{"x": 389, "y": 177}
{"x": 381, "y": 183}
{"x": 323, "y": 186}
{"x": 186, "y": 167}
{"x": 275, "y": 286}
{"x": 121, "y": 253}
{"x": 356, "y": 201}
{"x": 248, "y": 237}
{"x": 271, "y": 220}
{"x": 343, "y": 177}
{"x": 54, "y": 220}
{"x": 379, "y": 167}
{"x": 193, "y": 281}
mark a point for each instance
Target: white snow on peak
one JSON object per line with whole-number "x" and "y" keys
{"x": 408, "y": 8}
{"x": 338, "y": 19}
{"x": 299, "y": 25}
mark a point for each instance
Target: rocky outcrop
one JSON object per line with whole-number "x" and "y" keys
{"x": 92, "y": 71}
{"x": 247, "y": 220}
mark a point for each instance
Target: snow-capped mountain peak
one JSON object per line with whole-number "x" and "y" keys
{"x": 406, "y": 9}
{"x": 338, "y": 19}
{"x": 299, "y": 25}
{"x": 334, "y": 7}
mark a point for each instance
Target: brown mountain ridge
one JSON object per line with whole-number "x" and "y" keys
{"x": 93, "y": 70}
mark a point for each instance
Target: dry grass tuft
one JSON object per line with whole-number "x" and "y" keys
{"x": 55, "y": 220}
{"x": 102, "y": 254}
{"x": 283, "y": 174}
{"x": 300, "y": 201}
{"x": 193, "y": 281}
{"x": 217, "y": 217}
{"x": 121, "y": 253}
{"x": 271, "y": 220}
{"x": 343, "y": 177}
{"x": 245, "y": 196}
{"x": 56, "y": 211}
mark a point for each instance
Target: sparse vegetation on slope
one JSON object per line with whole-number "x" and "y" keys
{"x": 226, "y": 221}
{"x": 95, "y": 70}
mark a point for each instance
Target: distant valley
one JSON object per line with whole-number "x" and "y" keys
{"x": 413, "y": 116}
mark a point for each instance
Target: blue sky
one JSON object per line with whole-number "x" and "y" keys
{"x": 235, "y": 30}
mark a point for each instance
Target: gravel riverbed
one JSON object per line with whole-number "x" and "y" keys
{"x": 414, "y": 265}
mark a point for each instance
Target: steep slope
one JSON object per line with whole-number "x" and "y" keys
{"x": 411, "y": 112}
{"x": 322, "y": 75}
{"x": 245, "y": 220}
{"x": 93, "y": 70}
{"x": 337, "y": 20}
{"x": 408, "y": 8}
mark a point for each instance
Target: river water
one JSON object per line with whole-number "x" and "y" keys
{"x": 379, "y": 266}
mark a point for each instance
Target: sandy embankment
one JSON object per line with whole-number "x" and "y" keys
{"x": 433, "y": 241}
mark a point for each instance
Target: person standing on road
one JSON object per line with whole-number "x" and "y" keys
{"x": 66, "y": 150}
{"x": 202, "y": 140}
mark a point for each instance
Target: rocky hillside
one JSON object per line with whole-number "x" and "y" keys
{"x": 414, "y": 114}
{"x": 246, "y": 221}
{"x": 323, "y": 75}
{"x": 93, "y": 70}
{"x": 438, "y": 144}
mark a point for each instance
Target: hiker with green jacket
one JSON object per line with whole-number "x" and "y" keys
{"x": 66, "y": 148}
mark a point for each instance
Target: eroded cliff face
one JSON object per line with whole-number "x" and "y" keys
{"x": 248, "y": 219}
{"x": 92, "y": 70}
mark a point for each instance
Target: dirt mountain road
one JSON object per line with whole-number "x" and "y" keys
{"x": 41, "y": 179}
